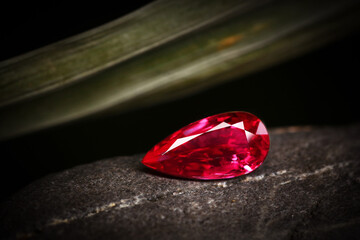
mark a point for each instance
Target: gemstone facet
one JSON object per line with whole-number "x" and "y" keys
{"x": 222, "y": 146}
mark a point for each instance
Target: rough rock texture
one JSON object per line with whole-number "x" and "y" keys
{"x": 307, "y": 188}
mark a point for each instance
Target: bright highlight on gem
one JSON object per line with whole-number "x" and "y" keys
{"x": 222, "y": 146}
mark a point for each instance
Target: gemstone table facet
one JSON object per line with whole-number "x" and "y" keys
{"x": 222, "y": 146}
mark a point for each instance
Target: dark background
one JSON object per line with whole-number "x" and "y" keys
{"x": 318, "y": 88}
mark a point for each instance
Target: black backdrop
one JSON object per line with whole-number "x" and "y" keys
{"x": 318, "y": 88}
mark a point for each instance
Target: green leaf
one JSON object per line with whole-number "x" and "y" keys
{"x": 165, "y": 50}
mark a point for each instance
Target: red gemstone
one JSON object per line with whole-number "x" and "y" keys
{"x": 222, "y": 146}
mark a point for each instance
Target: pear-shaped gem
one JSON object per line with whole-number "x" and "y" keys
{"x": 222, "y": 146}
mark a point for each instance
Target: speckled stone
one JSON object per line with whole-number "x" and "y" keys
{"x": 307, "y": 188}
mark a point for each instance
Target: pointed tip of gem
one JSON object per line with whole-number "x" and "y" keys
{"x": 222, "y": 146}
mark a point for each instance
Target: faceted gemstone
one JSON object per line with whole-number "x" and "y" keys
{"x": 222, "y": 146}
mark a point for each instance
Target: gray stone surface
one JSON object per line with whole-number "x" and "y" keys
{"x": 307, "y": 188}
